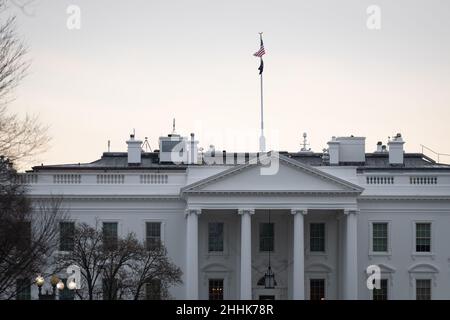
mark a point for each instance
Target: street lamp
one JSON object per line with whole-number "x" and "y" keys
{"x": 60, "y": 285}
{"x": 72, "y": 285}
{"x": 54, "y": 281}
{"x": 39, "y": 282}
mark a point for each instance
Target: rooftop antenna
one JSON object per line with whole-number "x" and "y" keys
{"x": 146, "y": 145}
{"x": 109, "y": 145}
{"x": 305, "y": 143}
{"x": 173, "y": 127}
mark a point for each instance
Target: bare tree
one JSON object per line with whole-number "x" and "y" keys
{"x": 152, "y": 266}
{"x": 117, "y": 270}
{"x": 118, "y": 259}
{"x": 28, "y": 231}
{"x": 88, "y": 255}
{"x": 20, "y": 138}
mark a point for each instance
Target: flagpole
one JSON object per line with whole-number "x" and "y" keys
{"x": 262, "y": 139}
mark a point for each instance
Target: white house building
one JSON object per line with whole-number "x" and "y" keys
{"x": 317, "y": 219}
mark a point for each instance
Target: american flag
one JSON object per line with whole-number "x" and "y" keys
{"x": 261, "y": 50}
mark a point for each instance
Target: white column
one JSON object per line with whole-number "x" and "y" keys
{"x": 246, "y": 253}
{"x": 298, "y": 284}
{"x": 351, "y": 255}
{"x": 192, "y": 253}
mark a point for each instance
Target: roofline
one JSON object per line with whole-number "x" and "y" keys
{"x": 81, "y": 168}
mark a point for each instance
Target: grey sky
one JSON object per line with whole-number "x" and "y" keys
{"x": 137, "y": 64}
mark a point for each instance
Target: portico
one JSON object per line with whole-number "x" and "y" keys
{"x": 294, "y": 194}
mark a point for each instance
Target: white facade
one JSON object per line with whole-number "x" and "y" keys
{"x": 344, "y": 193}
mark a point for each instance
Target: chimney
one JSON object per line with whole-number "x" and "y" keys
{"x": 193, "y": 150}
{"x": 379, "y": 146}
{"x": 396, "y": 150}
{"x": 333, "y": 151}
{"x": 134, "y": 151}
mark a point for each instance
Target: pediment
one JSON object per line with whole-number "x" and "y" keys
{"x": 385, "y": 268}
{"x": 423, "y": 268}
{"x": 319, "y": 268}
{"x": 284, "y": 175}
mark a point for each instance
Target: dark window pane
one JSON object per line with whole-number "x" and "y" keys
{"x": 23, "y": 287}
{"x": 23, "y": 236}
{"x": 215, "y": 237}
{"x": 266, "y": 237}
{"x": 317, "y": 237}
{"x": 317, "y": 289}
{"x": 382, "y": 293}
{"x": 423, "y": 237}
{"x": 423, "y": 289}
{"x": 153, "y": 235}
{"x": 109, "y": 289}
{"x": 153, "y": 289}
{"x": 215, "y": 289}
{"x": 66, "y": 236}
{"x": 380, "y": 237}
{"x": 110, "y": 235}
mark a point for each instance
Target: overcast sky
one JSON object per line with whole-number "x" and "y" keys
{"x": 137, "y": 64}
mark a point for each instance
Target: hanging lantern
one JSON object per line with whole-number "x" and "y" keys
{"x": 269, "y": 279}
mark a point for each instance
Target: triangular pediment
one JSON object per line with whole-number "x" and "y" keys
{"x": 283, "y": 175}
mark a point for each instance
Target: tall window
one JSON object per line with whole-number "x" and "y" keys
{"x": 317, "y": 289}
{"x": 423, "y": 289}
{"x": 23, "y": 287}
{"x": 110, "y": 235}
{"x": 215, "y": 289}
{"x": 66, "y": 293}
{"x": 109, "y": 289}
{"x": 382, "y": 293}
{"x": 215, "y": 237}
{"x": 153, "y": 289}
{"x": 317, "y": 237}
{"x": 24, "y": 236}
{"x": 153, "y": 235}
{"x": 380, "y": 237}
{"x": 423, "y": 237}
{"x": 66, "y": 236}
{"x": 266, "y": 236}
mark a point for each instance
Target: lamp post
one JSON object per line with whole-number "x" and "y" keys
{"x": 55, "y": 282}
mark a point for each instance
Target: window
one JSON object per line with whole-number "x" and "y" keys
{"x": 66, "y": 293}
{"x": 215, "y": 289}
{"x": 317, "y": 237}
{"x": 215, "y": 237}
{"x": 66, "y": 236}
{"x": 23, "y": 287}
{"x": 109, "y": 289}
{"x": 153, "y": 235}
{"x": 380, "y": 237}
{"x": 266, "y": 237}
{"x": 382, "y": 293}
{"x": 423, "y": 289}
{"x": 423, "y": 237}
{"x": 110, "y": 235}
{"x": 153, "y": 289}
{"x": 24, "y": 236}
{"x": 317, "y": 289}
